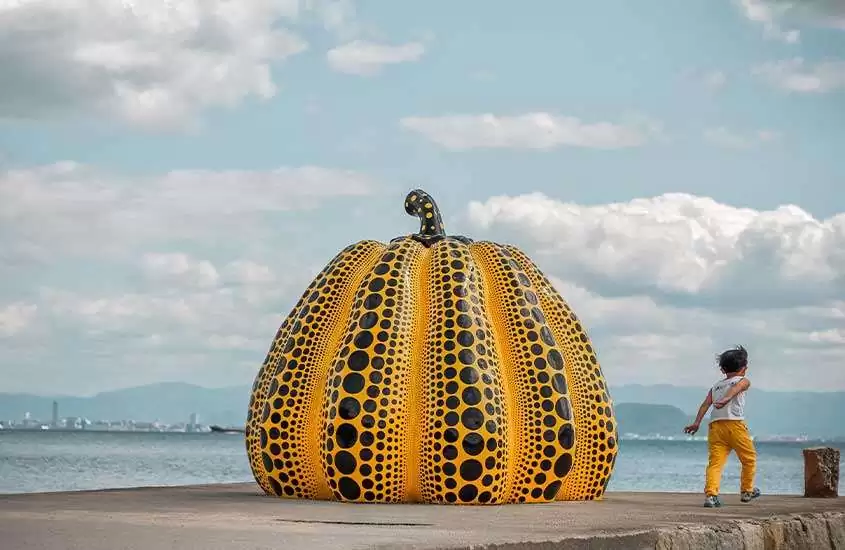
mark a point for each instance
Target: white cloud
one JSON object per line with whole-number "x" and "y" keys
{"x": 661, "y": 285}
{"x": 153, "y": 63}
{"x": 67, "y": 208}
{"x": 179, "y": 267}
{"x": 539, "y": 130}
{"x": 817, "y": 13}
{"x": 679, "y": 248}
{"x": 364, "y": 58}
{"x": 236, "y": 342}
{"x": 178, "y": 270}
{"x": 172, "y": 276}
{"x": 768, "y": 14}
{"x": 339, "y": 17}
{"x": 641, "y": 341}
{"x": 249, "y": 272}
{"x": 209, "y": 336}
{"x": 15, "y": 318}
{"x": 730, "y": 139}
{"x": 795, "y": 75}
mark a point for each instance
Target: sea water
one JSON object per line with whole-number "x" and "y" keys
{"x": 69, "y": 461}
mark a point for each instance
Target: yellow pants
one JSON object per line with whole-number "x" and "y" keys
{"x": 724, "y": 436}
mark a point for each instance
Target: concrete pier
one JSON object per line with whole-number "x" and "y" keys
{"x": 239, "y": 517}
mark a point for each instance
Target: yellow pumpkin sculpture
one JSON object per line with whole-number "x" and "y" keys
{"x": 431, "y": 369}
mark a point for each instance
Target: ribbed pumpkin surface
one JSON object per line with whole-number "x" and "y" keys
{"x": 431, "y": 369}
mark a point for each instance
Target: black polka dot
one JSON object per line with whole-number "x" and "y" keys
{"x": 469, "y": 375}
{"x": 465, "y": 338}
{"x": 358, "y": 360}
{"x": 556, "y": 359}
{"x": 471, "y": 396}
{"x": 372, "y": 301}
{"x": 348, "y": 488}
{"x": 551, "y": 490}
{"x": 348, "y": 408}
{"x": 346, "y": 436}
{"x": 562, "y": 408}
{"x": 353, "y": 382}
{"x": 368, "y": 320}
{"x": 563, "y": 465}
{"x": 345, "y": 462}
{"x": 468, "y": 493}
{"x": 472, "y": 418}
{"x": 566, "y": 436}
{"x": 363, "y": 339}
{"x": 559, "y": 383}
{"x": 473, "y": 443}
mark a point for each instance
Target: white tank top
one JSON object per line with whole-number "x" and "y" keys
{"x": 735, "y": 409}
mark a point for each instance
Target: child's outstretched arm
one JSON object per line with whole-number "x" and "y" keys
{"x": 740, "y": 386}
{"x": 702, "y": 410}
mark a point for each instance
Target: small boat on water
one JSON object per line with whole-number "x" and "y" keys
{"x": 220, "y": 429}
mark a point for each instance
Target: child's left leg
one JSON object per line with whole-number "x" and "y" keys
{"x": 744, "y": 447}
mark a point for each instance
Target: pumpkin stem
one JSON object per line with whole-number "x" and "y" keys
{"x": 420, "y": 204}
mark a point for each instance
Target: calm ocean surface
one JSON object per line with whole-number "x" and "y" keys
{"x": 45, "y": 461}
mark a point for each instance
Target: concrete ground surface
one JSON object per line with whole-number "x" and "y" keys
{"x": 211, "y": 517}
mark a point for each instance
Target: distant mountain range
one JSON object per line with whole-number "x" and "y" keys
{"x": 770, "y": 413}
{"x": 659, "y": 409}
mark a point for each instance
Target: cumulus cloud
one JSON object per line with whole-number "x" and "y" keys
{"x": 248, "y": 272}
{"x": 182, "y": 269}
{"x": 679, "y": 248}
{"x": 769, "y": 14}
{"x": 340, "y": 17}
{"x": 14, "y": 318}
{"x": 179, "y": 267}
{"x": 661, "y": 284}
{"x": 68, "y": 208}
{"x": 187, "y": 316}
{"x": 539, "y": 130}
{"x": 153, "y": 63}
{"x": 817, "y": 13}
{"x": 731, "y": 139}
{"x": 795, "y": 75}
{"x": 364, "y": 58}
{"x": 643, "y": 341}
{"x": 137, "y": 279}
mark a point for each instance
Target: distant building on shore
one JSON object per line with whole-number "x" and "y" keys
{"x": 193, "y": 423}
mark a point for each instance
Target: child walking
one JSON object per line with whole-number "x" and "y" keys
{"x": 727, "y": 430}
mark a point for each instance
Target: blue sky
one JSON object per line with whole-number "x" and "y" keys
{"x": 171, "y": 176}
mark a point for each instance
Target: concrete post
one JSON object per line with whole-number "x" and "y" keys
{"x": 821, "y": 472}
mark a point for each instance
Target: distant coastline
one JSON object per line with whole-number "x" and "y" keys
{"x": 644, "y": 412}
{"x": 219, "y": 430}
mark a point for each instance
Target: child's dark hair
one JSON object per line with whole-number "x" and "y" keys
{"x": 733, "y": 360}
